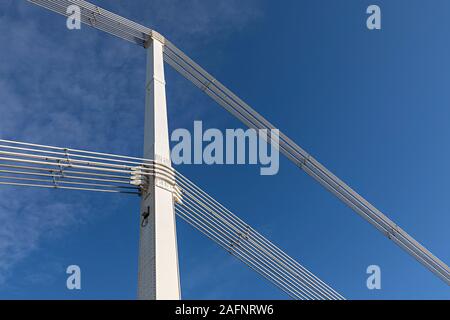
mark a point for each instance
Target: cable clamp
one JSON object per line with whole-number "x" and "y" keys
{"x": 93, "y": 19}
{"x": 206, "y": 86}
{"x": 246, "y": 234}
{"x": 163, "y": 175}
{"x": 61, "y": 168}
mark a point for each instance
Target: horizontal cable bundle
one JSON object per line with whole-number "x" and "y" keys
{"x": 25, "y": 164}
{"x": 33, "y": 165}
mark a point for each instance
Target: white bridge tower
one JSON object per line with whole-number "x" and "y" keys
{"x": 158, "y": 256}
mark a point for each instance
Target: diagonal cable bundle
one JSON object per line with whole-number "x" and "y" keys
{"x": 34, "y": 165}
{"x": 242, "y": 241}
{"x": 230, "y": 102}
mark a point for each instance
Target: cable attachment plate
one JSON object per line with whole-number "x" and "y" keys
{"x": 162, "y": 175}
{"x": 138, "y": 177}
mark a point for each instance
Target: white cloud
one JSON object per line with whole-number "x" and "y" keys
{"x": 26, "y": 219}
{"x": 80, "y": 89}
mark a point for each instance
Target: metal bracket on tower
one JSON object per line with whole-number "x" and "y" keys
{"x": 163, "y": 175}
{"x": 154, "y": 36}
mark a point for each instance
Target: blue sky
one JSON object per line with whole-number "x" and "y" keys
{"x": 372, "y": 106}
